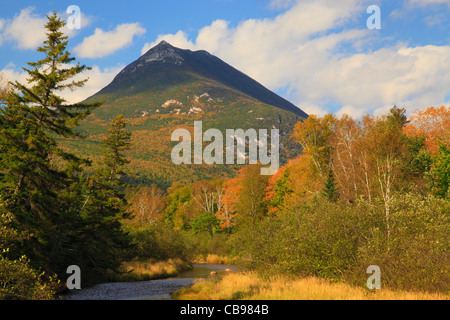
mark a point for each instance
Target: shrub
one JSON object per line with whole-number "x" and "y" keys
{"x": 158, "y": 241}
{"x": 320, "y": 240}
{"x": 19, "y": 281}
{"x": 417, "y": 254}
{"x": 337, "y": 241}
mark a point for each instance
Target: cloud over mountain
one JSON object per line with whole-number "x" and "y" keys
{"x": 103, "y": 43}
{"x": 317, "y": 54}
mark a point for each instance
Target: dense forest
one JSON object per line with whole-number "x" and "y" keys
{"x": 373, "y": 191}
{"x": 362, "y": 193}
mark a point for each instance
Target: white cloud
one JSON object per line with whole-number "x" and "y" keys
{"x": 314, "y": 109}
{"x": 309, "y": 51}
{"x": 350, "y": 110}
{"x": 98, "y": 79}
{"x": 27, "y": 30}
{"x": 103, "y": 43}
{"x": 212, "y": 38}
{"x": 11, "y": 73}
{"x": 177, "y": 40}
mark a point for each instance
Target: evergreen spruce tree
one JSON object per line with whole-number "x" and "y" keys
{"x": 71, "y": 219}
{"x": 49, "y": 76}
{"x": 330, "y": 189}
{"x": 106, "y": 207}
{"x": 29, "y": 183}
{"x": 32, "y": 186}
{"x": 116, "y": 143}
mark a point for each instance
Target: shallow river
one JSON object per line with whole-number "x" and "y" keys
{"x": 148, "y": 290}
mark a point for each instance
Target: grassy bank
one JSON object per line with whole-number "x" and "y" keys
{"x": 213, "y": 259}
{"x": 249, "y": 286}
{"x": 151, "y": 270}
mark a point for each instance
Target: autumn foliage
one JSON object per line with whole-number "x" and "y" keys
{"x": 434, "y": 124}
{"x": 363, "y": 191}
{"x": 343, "y": 159}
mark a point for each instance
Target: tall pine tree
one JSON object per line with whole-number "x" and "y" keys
{"x": 330, "y": 189}
{"x": 50, "y": 76}
{"x": 71, "y": 220}
{"x": 106, "y": 207}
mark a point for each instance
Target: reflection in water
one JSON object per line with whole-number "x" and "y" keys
{"x": 149, "y": 290}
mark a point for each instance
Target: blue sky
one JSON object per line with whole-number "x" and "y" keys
{"x": 157, "y": 17}
{"x": 318, "y": 54}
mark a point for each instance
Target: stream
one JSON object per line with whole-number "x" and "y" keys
{"x": 149, "y": 290}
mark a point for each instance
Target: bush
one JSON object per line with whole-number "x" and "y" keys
{"x": 320, "y": 240}
{"x": 338, "y": 241}
{"x": 158, "y": 241}
{"x": 417, "y": 254}
{"x": 19, "y": 281}
{"x": 202, "y": 245}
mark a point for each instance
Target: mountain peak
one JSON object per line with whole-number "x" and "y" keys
{"x": 163, "y": 52}
{"x": 168, "y": 88}
{"x": 173, "y": 66}
{"x": 164, "y": 43}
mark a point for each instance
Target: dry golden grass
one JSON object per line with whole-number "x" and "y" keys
{"x": 151, "y": 269}
{"x": 248, "y": 286}
{"x": 213, "y": 259}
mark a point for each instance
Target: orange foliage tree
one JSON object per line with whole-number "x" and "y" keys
{"x": 366, "y": 157}
{"x": 434, "y": 124}
{"x": 227, "y": 212}
{"x": 296, "y": 182}
{"x": 243, "y": 199}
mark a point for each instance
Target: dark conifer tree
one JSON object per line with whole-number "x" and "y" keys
{"x": 330, "y": 189}
{"x": 106, "y": 207}
{"x": 71, "y": 219}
